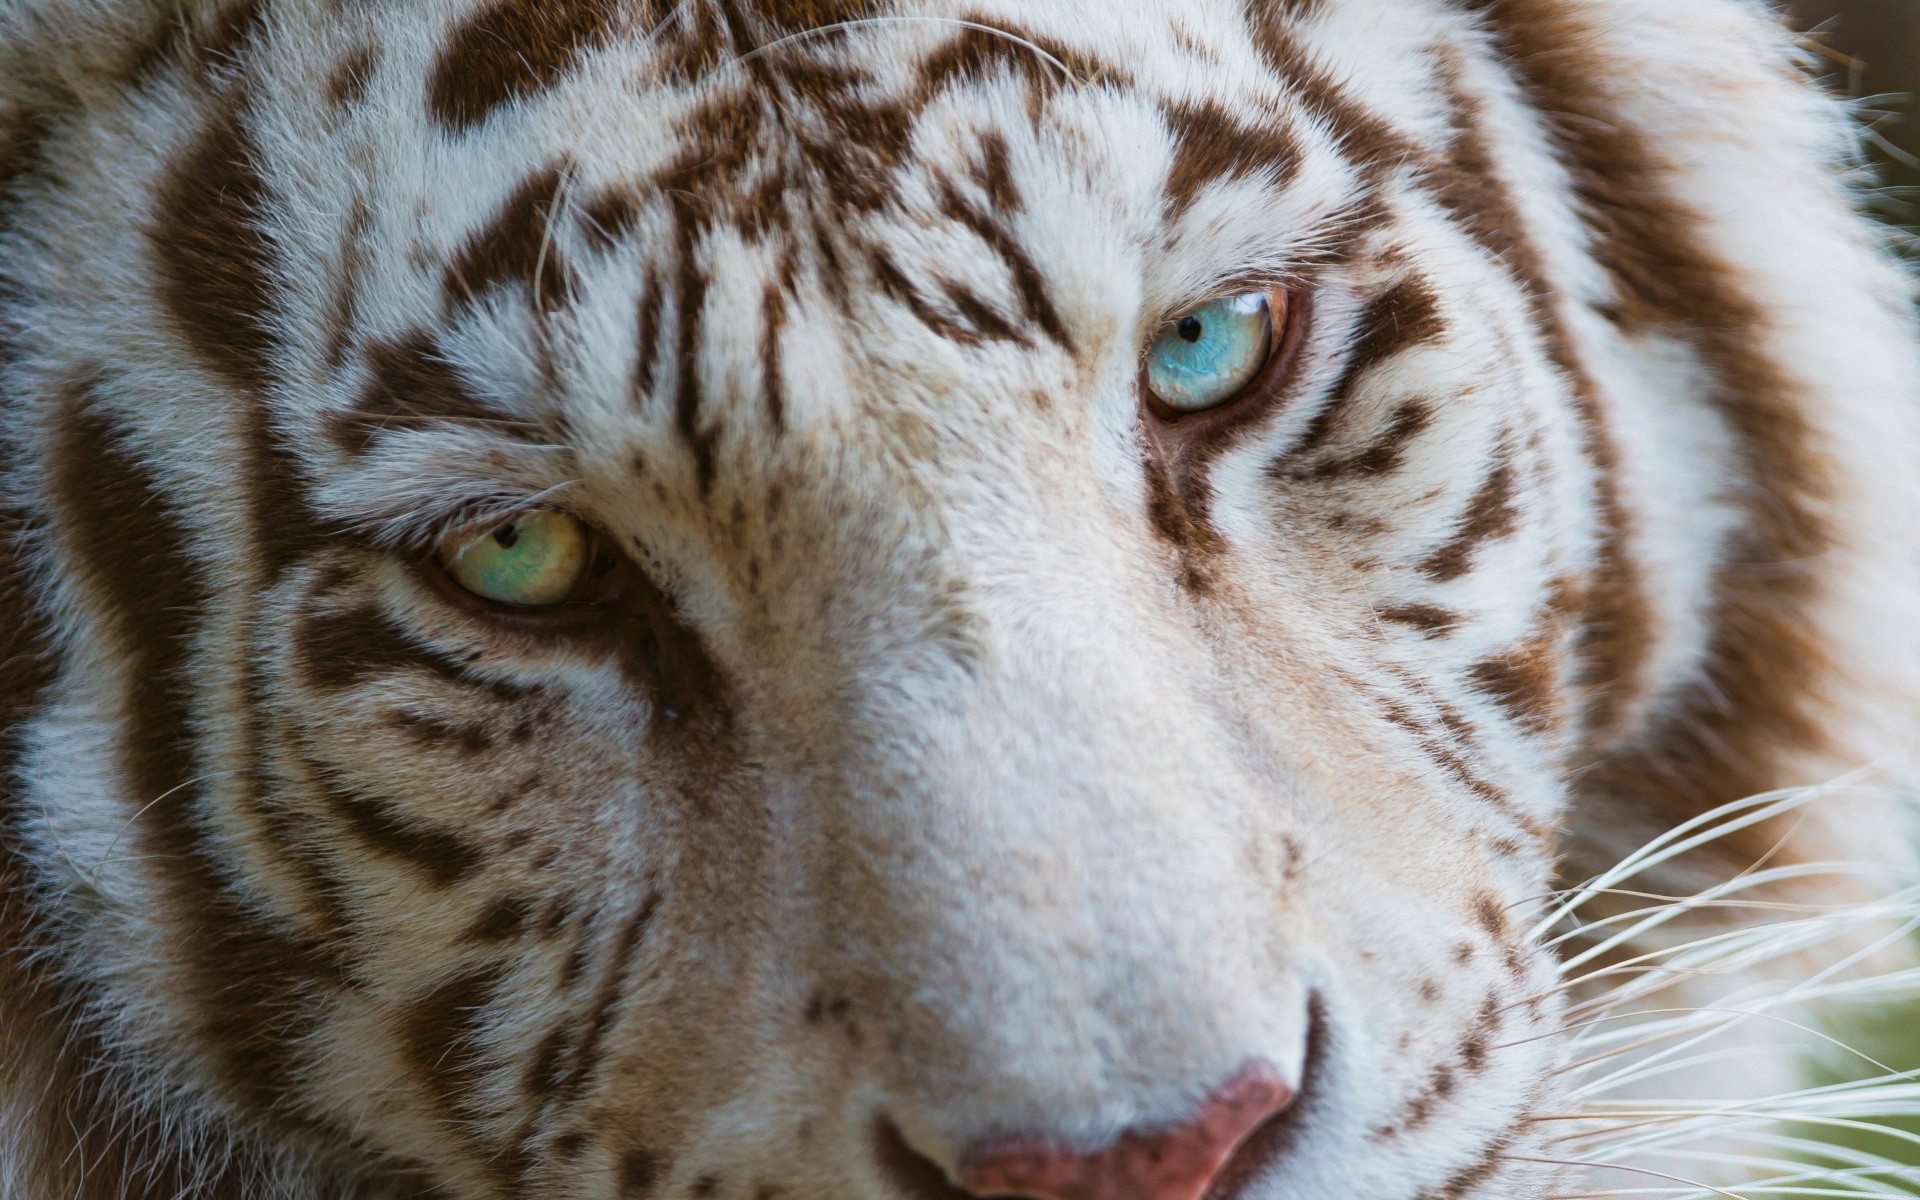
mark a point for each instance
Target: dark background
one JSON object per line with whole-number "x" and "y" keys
{"x": 1873, "y": 49}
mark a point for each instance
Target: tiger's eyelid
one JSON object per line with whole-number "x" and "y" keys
{"x": 470, "y": 530}
{"x": 471, "y": 519}
{"x": 1291, "y": 280}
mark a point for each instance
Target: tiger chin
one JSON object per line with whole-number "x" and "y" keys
{"x": 898, "y": 600}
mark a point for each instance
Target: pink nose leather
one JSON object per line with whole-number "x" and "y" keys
{"x": 1176, "y": 1164}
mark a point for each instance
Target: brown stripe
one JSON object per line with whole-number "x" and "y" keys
{"x": 988, "y": 325}
{"x": 646, "y": 337}
{"x": 975, "y": 56}
{"x": 691, "y": 303}
{"x": 797, "y": 16}
{"x": 442, "y": 856}
{"x": 344, "y": 649}
{"x": 465, "y": 737}
{"x": 516, "y": 247}
{"x": 44, "y": 1051}
{"x": 1617, "y": 635}
{"x": 1211, "y": 145}
{"x": 444, "y": 1045}
{"x": 1490, "y": 514}
{"x": 1433, "y": 744}
{"x": 504, "y": 920}
{"x": 606, "y": 1000}
{"x": 1429, "y": 619}
{"x": 609, "y": 216}
{"x": 513, "y": 49}
{"x": 1372, "y": 143}
{"x": 896, "y": 286}
{"x": 1750, "y": 711}
{"x": 23, "y": 134}
{"x": 347, "y": 83}
{"x": 209, "y": 43}
{"x": 1381, "y": 456}
{"x": 773, "y": 323}
{"x": 1028, "y": 282}
{"x": 995, "y": 173}
{"x": 1404, "y": 316}
{"x": 692, "y": 45}
{"x": 639, "y": 1167}
{"x": 1524, "y": 681}
{"x": 244, "y": 982}
{"x": 214, "y": 265}
{"x": 411, "y": 385}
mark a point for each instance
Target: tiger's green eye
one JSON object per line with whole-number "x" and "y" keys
{"x": 535, "y": 561}
{"x": 1208, "y": 355}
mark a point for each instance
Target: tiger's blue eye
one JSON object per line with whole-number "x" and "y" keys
{"x": 1208, "y": 355}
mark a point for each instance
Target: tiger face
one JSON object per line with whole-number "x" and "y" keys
{"x": 887, "y": 601}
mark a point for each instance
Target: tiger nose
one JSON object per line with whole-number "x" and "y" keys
{"x": 1173, "y": 1164}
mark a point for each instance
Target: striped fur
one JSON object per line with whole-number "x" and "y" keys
{"x": 975, "y": 758}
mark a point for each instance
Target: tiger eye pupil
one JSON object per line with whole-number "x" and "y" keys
{"x": 1192, "y": 329}
{"x": 507, "y": 535}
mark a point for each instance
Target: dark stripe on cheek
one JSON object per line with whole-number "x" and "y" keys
{"x": 340, "y": 650}
{"x": 244, "y": 983}
{"x": 1490, "y": 514}
{"x": 443, "y": 857}
{"x": 21, "y": 136}
{"x": 896, "y": 286}
{"x": 444, "y": 1047}
{"x": 1404, "y": 316}
{"x": 1373, "y": 144}
{"x": 23, "y": 133}
{"x": 606, "y": 1000}
{"x": 513, "y": 49}
{"x": 1757, "y": 703}
{"x": 1524, "y": 682}
{"x": 1382, "y": 455}
{"x": 208, "y": 46}
{"x": 214, "y": 264}
{"x": 1619, "y": 629}
{"x": 467, "y": 739}
{"x": 504, "y": 920}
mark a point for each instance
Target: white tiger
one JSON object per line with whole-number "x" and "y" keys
{"x": 908, "y": 599}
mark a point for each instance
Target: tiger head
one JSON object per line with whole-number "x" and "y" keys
{"x": 772, "y": 600}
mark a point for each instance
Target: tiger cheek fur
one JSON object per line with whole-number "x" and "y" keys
{"x": 973, "y": 752}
